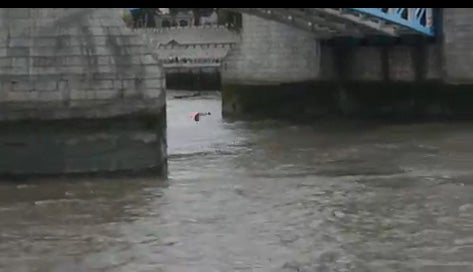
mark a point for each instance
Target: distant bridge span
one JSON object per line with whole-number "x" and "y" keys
{"x": 351, "y": 22}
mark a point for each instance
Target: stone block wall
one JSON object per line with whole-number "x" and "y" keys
{"x": 79, "y": 93}
{"x": 64, "y": 58}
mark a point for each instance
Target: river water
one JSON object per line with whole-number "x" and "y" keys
{"x": 259, "y": 196}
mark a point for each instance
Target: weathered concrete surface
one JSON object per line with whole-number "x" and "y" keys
{"x": 122, "y": 145}
{"x": 458, "y": 45}
{"x": 271, "y": 53}
{"x": 420, "y": 61}
{"x": 309, "y": 100}
{"x": 68, "y": 66}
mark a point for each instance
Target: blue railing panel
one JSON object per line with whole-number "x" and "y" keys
{"x": 418, "y": 19}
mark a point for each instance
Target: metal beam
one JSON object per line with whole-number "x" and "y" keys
{"x": 338, "y": 14}
{"x": 412, "y": 21}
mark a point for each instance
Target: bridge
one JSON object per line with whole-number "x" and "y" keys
{"x": 85, "y": 67}
{"x": 190, "y": 56}
{"x": 189, "y": 47}
{"x": 333, "y": 22}
{"x": 206, "y": 46}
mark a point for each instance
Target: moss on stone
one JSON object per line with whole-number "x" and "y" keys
{"x": 393, "y": 100}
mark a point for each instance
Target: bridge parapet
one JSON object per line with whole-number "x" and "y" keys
{"x": 189, "y": 35}
{"x": 196, "y": 46}
{"x": 174, "y": 28}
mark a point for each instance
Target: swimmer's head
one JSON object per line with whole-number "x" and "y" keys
{"x": 208, "y": 113}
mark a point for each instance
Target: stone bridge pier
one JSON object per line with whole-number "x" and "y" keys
{"x": 272, "y": 63}
{"x": 281, "y": 71}
{"x": 79, "y": 94}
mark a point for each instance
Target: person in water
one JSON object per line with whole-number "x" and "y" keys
{"x": 196, "y": 116}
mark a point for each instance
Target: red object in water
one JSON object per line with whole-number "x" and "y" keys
{"x": 196, "y": 116}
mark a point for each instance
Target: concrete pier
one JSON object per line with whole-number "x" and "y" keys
{"x": 79, "y": 94}
{"x": 280, "y": 71}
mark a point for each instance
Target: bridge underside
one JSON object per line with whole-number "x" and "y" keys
{"x": 328, "y": 23}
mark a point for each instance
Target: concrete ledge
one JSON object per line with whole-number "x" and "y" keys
{"x": 152, "y": 172}
{"x": 307, "y": 100}
{"x": 85, "y": 109}
{"x": 131, "y": 145}
{"x": 174, "y": 28}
